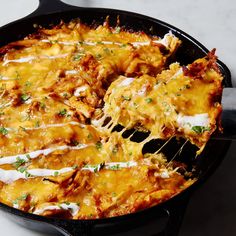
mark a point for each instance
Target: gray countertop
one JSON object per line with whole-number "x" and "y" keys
{"x": 212, "y": 208}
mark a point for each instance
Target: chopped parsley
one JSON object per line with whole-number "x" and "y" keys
{"x": 74, "y": 167}
{"x": 98, "y": 56}
{"x": 27, "y": 174}
{"x": 187, "y": 86}
{"x": 23, "y": 197}
{"x": 124, "y": 45}
{"x": 126, "y": 98}
{"x": 98, "y": 145}
{"x": 74, "y": 142}
{"x": 19, "y": 162}
{"x": 117, "y": 30}
{"x": 53, "y": 41}
{"x": 200, "y": 129}
{"x": 115, "y": 167}
{"x": 3, "y": 131}
{"x": 62, "y": 112}
{"x": 106, "y": 50}
{"x": 78, "y": 56}
{"x": 42, "y": 105}
{"x": 28, "y": 84}
{"x": 148, "y": 100}
{"x": 24, "y": 97}
{"x": 95, "y": 168}
{"x": 56, "y": 173}
{"x": 22, "y": 169}
{"x": 65, "y": 95}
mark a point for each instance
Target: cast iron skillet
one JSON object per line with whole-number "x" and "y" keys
{"x": 168, "y": 215}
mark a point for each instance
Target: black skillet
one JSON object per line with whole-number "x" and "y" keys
{"x": 168, "y": 215}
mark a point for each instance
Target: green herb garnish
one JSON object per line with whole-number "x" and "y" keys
{"x": 23, "y": 197}
{"x": 78, "y": 56}
{"x": 117, "y": 30}
{"x": 74, "y": 142}
{"x": 187, "y": 86}
{"x": 98, "y": 56}
{"x": 95, "y": 169}
{"x": 106, "y": 50}
{"x": 126, "y": 98}
{"x": 19, "y": 162}
{"x": 74, "y": 167}
{"x": 62, "y": 112}
{"x": 123, "y": 45}
{"x": 98, "y": 145}
{"x": 56, "y": 173}
{"x": 3, "y": 131}
{"x": 24, "y": 97}
{"x": 115, "y": 167}
{"x": 200, "y": 129}
{"x": 22, "y": 169}
{"x": 148, "y": 100}
{"x": 65, "y": 95}
{"x": 28, "y": 84}
{"x": 53, "y": 41}
{"x": 42, "y": 105}
{"x": 27, "y": 174}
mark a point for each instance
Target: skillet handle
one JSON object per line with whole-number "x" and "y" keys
{"x": 51, "y": 6}
{"x": 229, "y": 114}
{"x": 74, "y": 228}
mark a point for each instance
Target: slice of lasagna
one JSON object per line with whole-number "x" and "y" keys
{"x": 183, "y": 101}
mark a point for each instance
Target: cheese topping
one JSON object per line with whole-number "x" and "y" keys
{"x": 74, "y": 98}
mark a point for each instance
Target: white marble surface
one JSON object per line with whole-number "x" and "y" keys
{"x": 212, "y": 22}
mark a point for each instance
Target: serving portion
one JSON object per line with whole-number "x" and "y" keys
{"x": 66, "y": 92}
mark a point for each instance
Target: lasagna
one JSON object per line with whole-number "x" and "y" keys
{"x": 67, "y": 95}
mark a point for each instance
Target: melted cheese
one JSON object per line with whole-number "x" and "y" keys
{"x": 64, "y": 90}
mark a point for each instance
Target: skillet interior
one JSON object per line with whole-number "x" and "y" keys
{"x": 205, "y": 164}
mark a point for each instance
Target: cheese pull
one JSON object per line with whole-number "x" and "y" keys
{"x": 183, "y": 101}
